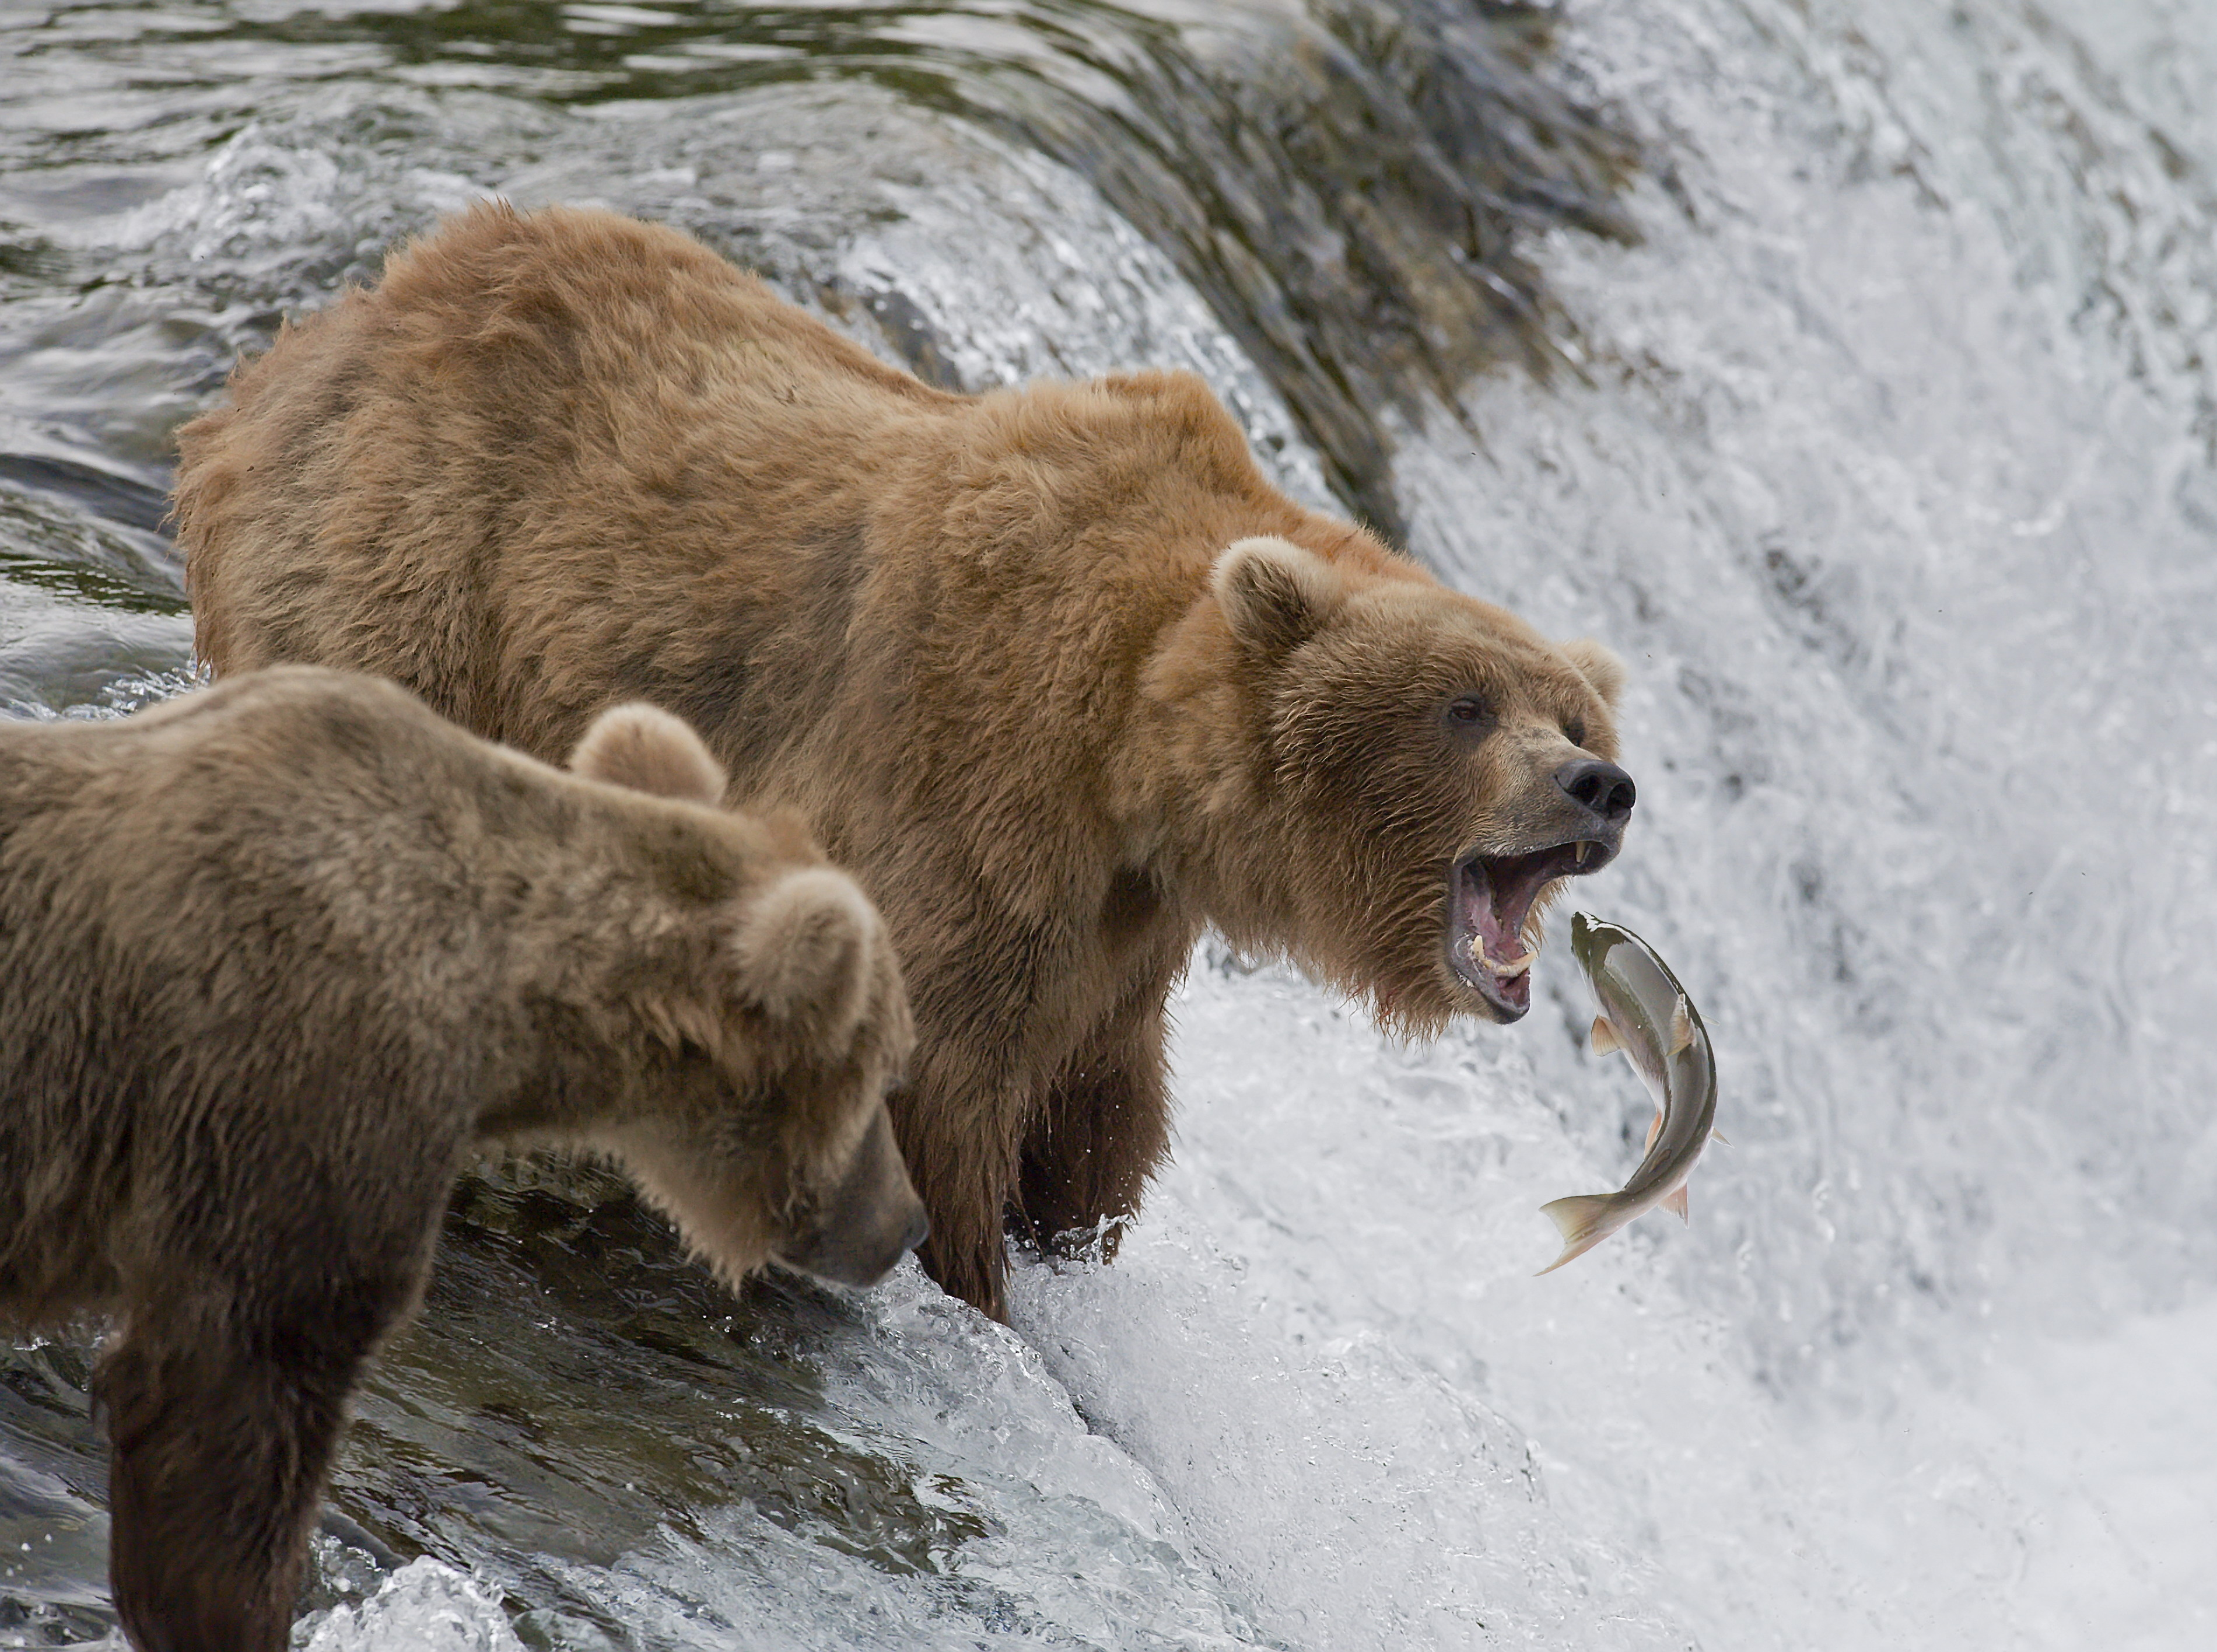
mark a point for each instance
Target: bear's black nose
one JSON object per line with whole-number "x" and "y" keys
{"x": 1601, "y": 786}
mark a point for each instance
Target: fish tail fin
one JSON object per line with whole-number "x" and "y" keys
{"x": 1604, "y": 1039}
{"x": 1581, "y": 1219}
{"x": 1682, "y": 1025}
{"x": 1676, "y": 1202}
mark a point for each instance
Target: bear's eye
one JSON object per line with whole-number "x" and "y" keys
{"x": 1575, "y": 730}
{"x": 1467, "y": 713}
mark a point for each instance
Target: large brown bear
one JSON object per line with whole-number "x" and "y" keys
{"x": 1054, "y": 671}
{"x": 276, "y": 957}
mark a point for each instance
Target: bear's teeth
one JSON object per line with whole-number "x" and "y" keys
{"x": 1474, "y": 950}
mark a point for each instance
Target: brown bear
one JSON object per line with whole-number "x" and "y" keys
{"x": 1053, "y": 670}
{"x": 276, "y": 957}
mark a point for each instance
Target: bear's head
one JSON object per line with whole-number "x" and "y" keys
{"x": 1394, "y": 779}
{"x": 771, "y": 1142}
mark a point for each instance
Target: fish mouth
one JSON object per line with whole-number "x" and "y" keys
{"x": 1489, "y": 897}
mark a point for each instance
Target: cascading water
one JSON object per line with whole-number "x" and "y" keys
{"x": 1848, "y": 366}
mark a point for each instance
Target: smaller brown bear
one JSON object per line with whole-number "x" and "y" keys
{"x": 275, "y": 959}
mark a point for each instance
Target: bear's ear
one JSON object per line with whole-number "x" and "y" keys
{"x": 805, "y": 947}
{"x": 1599, "y": 666}
{"x": 1273, "y": 595}
{"x": 650, "y": 751}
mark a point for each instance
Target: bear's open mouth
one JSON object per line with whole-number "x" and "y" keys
{"x": 1489, "y": 899}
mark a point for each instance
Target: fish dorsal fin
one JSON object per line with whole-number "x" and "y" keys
{"x": 1605, "y": 1041}
{"x": 1682, "y": 1025}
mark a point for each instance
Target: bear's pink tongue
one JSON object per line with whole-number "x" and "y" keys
{"x": 1494, "y": 912}
{"x": 1487, "y": 945}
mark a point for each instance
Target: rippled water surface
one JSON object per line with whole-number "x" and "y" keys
{"x": 1849, "y": 367}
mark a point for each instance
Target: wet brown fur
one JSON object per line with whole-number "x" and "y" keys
{"x": 994, "y": 649}
{"x": 274, "y": 960}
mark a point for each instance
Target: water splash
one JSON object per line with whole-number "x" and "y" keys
{"x": 1885, "y": 459}
{"x": 422, "y": 1604}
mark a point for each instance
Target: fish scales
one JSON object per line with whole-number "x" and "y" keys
{"x": 1646, "y": 1014}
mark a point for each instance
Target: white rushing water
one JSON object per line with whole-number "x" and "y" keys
{"x": 1887, "y": 463}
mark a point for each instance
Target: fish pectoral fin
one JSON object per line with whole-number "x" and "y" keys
{"x": 1581, "y": 1219}
{"x": 1604, "y": 1039}
{"x": 1682, "y": 1026}
{"x": 1677, "y": 1202}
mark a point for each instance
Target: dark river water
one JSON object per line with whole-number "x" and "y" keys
{"x": 1851, "y": 367}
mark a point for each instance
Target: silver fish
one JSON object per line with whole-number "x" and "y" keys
{"x": 1646, "y": 1014}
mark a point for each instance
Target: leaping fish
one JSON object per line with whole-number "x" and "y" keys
{"x": 1646, "y": 1014}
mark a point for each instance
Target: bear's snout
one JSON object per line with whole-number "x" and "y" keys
{"x": 870, "y": 1220}
{"x": 1603, "y": 789}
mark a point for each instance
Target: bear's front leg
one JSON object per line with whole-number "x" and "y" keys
{"x": 963, "y": 1160}
{"x": 1101, "y": 1133}
{"x": 221, "y": 1433}
{"x": 986, "y": 1142}
{"x": 218, "y": 1457}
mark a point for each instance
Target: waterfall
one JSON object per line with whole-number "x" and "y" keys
{"x": 1850, "y": 369}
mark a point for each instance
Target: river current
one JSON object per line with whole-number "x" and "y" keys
{"x": 1850, "y": 365}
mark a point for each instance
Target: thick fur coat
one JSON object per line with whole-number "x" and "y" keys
{"x": 1054, "y": 670}
{"x": 277, "y": 957}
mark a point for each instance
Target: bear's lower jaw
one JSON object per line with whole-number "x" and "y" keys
{"x": 1490, "y": 898}
{"x": 1506, "y": 996}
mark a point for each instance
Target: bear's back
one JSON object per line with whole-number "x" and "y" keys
{"x": 550, "y": 403}
{"x": 221, "y": 908}
{"x": 295, "y": 898}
